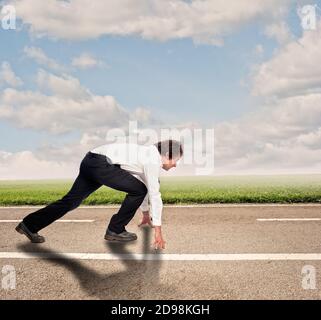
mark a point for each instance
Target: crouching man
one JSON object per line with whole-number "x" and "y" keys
{"x": 126, "y": 167}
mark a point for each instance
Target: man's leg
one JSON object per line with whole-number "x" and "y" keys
{"x": 115, "y": 177}
{"x": 80, "y": 190}
{"x": 127, "y": 211}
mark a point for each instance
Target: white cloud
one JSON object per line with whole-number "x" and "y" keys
{"x": 7, "y": 75}
{"x": 86, "y": 61}
{"x": 294, "y": 69}
{"x": 205, "y": 21}
{"x": 64, "y": 86}
{"x": 41, "y": 58}
{"x": 311, "y": 139}
{"x": 281, "y": 137}
{"x": 143, "y": 114}
{"x": 26, "y": 165}
{"x": 259, "y": 50}
{"x": 280, "y": 31}
{"x": 284, "y": 137}
{"x": 59, "y": 114}
{"x": 71, "y": 107}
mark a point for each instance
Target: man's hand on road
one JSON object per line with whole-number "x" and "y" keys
{"x": 159, "y": 242}
{"x": 146, "y": 219}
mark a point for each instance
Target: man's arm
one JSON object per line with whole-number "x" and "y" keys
{"x": 151, "y": 172}
{"x": 145, "y": 210}
{"x": 144, "y": 207}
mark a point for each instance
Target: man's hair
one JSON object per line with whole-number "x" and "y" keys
{"x": 173, "y": 147}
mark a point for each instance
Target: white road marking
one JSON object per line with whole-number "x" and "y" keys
{"x": 289, "y": 219}
{"x": 62, "y": 220}
{"x": 168, "y": 257}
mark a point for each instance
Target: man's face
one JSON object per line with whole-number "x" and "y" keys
{"x": 169, "y": 163}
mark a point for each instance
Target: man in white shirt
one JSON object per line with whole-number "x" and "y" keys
{"x": 126, "y": 167}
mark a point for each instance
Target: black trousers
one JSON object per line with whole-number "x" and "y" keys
{"x": 95, "y": 171}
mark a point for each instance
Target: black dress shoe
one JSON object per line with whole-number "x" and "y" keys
{"x": 33, "y": 237}
{"x": 123, "y": 236}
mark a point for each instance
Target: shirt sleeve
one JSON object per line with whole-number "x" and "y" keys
{"x": 151, "y": 172}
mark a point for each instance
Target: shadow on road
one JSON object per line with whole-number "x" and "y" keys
{"x": 139, "y": 280}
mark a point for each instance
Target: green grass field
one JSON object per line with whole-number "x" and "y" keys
{"x": 179, "y": 190}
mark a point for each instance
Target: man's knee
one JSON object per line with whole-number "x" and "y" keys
{"x": 141, "y": 190}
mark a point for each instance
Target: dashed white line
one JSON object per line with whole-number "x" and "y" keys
{"x": 168, "y": 257}
{"x": 61, "y": 220}
{"x": 288, "y": 219}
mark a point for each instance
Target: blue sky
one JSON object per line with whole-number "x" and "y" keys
{"x": 177, "y": 79}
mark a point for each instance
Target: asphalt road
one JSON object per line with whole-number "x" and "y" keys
{"x": 216, "y": 252}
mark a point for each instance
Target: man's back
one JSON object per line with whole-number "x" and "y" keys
{"x": 130, "y": 156}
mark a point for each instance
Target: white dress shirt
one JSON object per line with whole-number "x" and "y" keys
{"x": 143, "y": 162}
